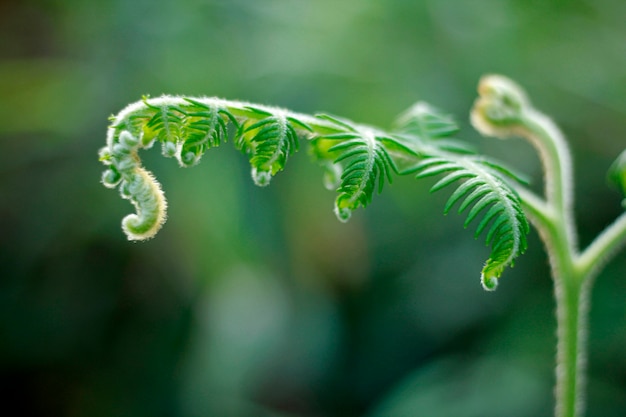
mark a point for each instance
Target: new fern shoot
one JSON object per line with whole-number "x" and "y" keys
{"x": 358, "y": 160}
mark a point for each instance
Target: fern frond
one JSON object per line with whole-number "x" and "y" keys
{"x": 483, "y": 193}
{"x": 269, "y": 143}
{"x": 166, "y": 123}
{"x": 491, "y": 199}
{"x": 359, "y": 158}
{"x": 205, "y": 127}
{"x": 366, "y": 165}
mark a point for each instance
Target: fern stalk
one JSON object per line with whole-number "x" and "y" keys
{"x": 503, "y": 110}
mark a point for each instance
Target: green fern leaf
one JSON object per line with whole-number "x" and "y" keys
{"x": 165, "y": 125}
{"x": 269, "y": 142}
{"x": 206, "y": 126}
{"x": 484, "y": 189}
{"x": 366, "y": 166}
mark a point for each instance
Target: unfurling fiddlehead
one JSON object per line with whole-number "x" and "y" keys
{"x": 358, "y": 159}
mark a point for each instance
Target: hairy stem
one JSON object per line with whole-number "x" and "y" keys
{"x": 599, "y": 252}
{"x": 558, "y": 234}
{"x": 571, "y": 292}
{"x": 503, "y": 111}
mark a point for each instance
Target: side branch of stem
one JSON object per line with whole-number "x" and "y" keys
{"x": 602, "y": 249}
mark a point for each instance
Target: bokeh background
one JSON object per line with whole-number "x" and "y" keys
{"x": 258, "y": 302}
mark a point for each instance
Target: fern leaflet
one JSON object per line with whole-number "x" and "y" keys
{"x": 206, "y": 126}
{"x": 269, "y": 142}
{"x": 483, "y": 192}
{"x": 367, "y": 165}
{"x": 488, "y": 195}
{"x": 166, "y": 124}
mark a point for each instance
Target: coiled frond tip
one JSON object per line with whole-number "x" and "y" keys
{"x": 146, "y": 195}
{"x": 489, "y": 283}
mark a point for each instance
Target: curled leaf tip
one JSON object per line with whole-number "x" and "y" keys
{"x": 342, "y": 209}
{"x": 492, "y": 271}
{"x": 343, "y": 214}
{"x": 188, "y": 159}
{"x": 489, "y": 281}
{"x": 146, "y": 195}
{"x": 111, "y": 178}
{"x": 128, "y": 141}
{"x": 260, "y": 177}
{"x": 169, "y": 149}
{"x": 499, "y": 109}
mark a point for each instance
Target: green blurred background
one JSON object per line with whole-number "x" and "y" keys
{"x": 258, "y": 302}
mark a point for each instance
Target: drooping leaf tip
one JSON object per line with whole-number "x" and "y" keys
{"x": 342, "y": 211}
{"x": 260, "y": 177}
{"x": 489, "y": 283}
{"x": 491, "y": 273}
